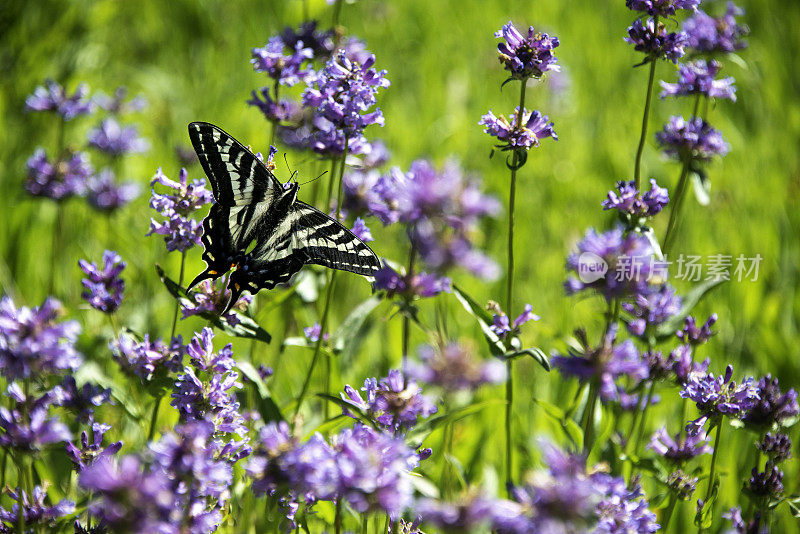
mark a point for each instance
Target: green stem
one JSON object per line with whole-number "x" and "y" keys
{"x": 337, "y": 518}
{"x": 177, "y": 301}
{"x": 665, "y": 519}
{"x": 154, "y": 419}
{"x": 680, "y": 192}
{"x": 588, "y": 419}
{"x": 337, "y": 11}
{"x": 712, "y": 470}
{"x": 512, "y": 193}
{"x": 637, "y": 169}
{"x": 327, "y": 201}
{"x": 412, "y": 255}
{"x": 20, "y": 504}
{"x": 643, "y": 422}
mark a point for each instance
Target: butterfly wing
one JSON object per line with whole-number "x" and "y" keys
{"x": 244, "y": 190}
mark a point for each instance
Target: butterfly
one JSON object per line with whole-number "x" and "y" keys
{"x": 259, "y": 228}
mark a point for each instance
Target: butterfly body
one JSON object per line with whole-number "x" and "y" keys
{"x": 259, "y": 228}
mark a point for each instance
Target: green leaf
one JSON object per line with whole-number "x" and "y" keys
{"x": 425, "y": 487}
{"x": 266, "y": 406}
{"x": 422, "y": 430}
{"x": 669, "y": 327}
{"x": 352, "y": 410}
{"x": 534, "y": 352}
{"x": 246, "y": 328}
{"x": 705, "y": 515}
{"x": 570, "y": 427}
{"x": 702, "y": 189}
{"x": 349, "y": 331}
{"x": 794, "y": 504}
{"x": 484, "y": 320}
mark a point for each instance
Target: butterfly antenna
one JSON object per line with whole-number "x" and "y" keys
{"x": 315, "y": 179}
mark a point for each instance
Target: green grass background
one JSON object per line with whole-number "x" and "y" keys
{"x": 191, "y": 61}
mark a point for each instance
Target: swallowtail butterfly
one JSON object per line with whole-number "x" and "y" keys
{"x": 258, "y": 228}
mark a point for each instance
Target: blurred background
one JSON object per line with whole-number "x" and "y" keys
{"x": 191, "y": 61}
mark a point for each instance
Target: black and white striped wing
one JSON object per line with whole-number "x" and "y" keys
{"x": 305, "y": 236}
{"x": 243, "y": 188}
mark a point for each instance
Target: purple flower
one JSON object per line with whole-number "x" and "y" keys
{"x": 622, "y": 508}
{"x": 103, "y": 193}
{"x": 179, "y": 231}
{"x": 54, "y": 98}
{"x": 391, "y": 403}
{"x": 681, "y": 448}
{"x": 515, "y": 134}
{"x": 343, "y": 93}
{"x": 654, "y": 40}
{"x": 501, "y": 326}
{"x": 648, "y": 311}
{"x": 628, "y": 201}
{"x": 205, "y": 391}
{"x": 33, "y": 344}
{"x": 694, "y": 139}
{"x": 150, "y": 361}
{"x": 684, "y": 366}
{"x": 283, "y": 110}
{"x": 103, "y": 286}
{"x": 661, "y": 8}
{"x": 63, "y": 178}
{"x": 32, "y": 430}
{"x": 112, "y": 138}
{"x": 285, "y": 69}
{"x": 454, "y": 367}
{"x": 768, "y": 483}
{"x": 472, "y": 512}
{"x": 117, "y": 104}
{"x": 362, "y": 231}
{"x": 605, "y": 364}
{"x": 420, "y": 284}
{"x": 311, "y": 469}
{"x": 320, "y": 42}
{"x": 265, "y": 464}
{"x": 754, "y": 526}
{"x": 777, "y": 447}
{"x": 614, "y": 264}
{"x": 698, "y": 78}
{"x": 774, "y": 408}
{"x": 90, "y": 452}
{"x": 692, "y": 335}
{"x": 373, "y": 469}
{"x": 526, "y": 56}
{"x": 128, "y": 497}
{"x": 82, "y": 401}
{"x": 213, "y": 297}
{"x": 722, "y": 34}
{"x": 681, "y": 484}
{"x": 718, "y": 397}
{"x": 34, "y": 510}
{"x": 312, "y": 333}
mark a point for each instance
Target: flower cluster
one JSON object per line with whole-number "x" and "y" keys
{"x": 27, "y": 427}
{"x": 501, "y": 325}
{"x": 454, "y": 367}
{"x": 653, "y": 39}
{"x": 694, "y": 139}
{"x": 680, "y": 448}
{"x": 103, "y": 286}
{"x": 151, "y": 362}
{"x": 699, "y": 78}
{"x": 105, "y": 194}
{"x": 628, "y": 201}
{"x": 773, "y": 408}
{"x": 53, "y": 97}
{"x": 91, "y": 451}
{"x": 205, "y": 392}
{"x": 716, "y": 34}
{"x": 367, "y": 468}
{"x": 605, "y": 365}
{"x": 410, "y": 286}
{"x": 213, "y": 297}
{"x": 33, "y": 343}
{"x": 114, "y": 139}
{"x": 62, "y": 178}
{"x": 517, "y": 132}
{"x": 526, "y": 56}
{"x": 285, "y": 69}
{"x": 650, "y": 310}
{"x": 692, "y": 335}
{"x": 342, "y": 93}
{"x": 394, "y": 403}
{"x": 629, "y": 265}
{"x": 180, "y": 232}
{"x": 81, "y": 401}
{"x": 34, "y": 509}
{"x": 119, "y": 103}
{"x": 718, "y": 397}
